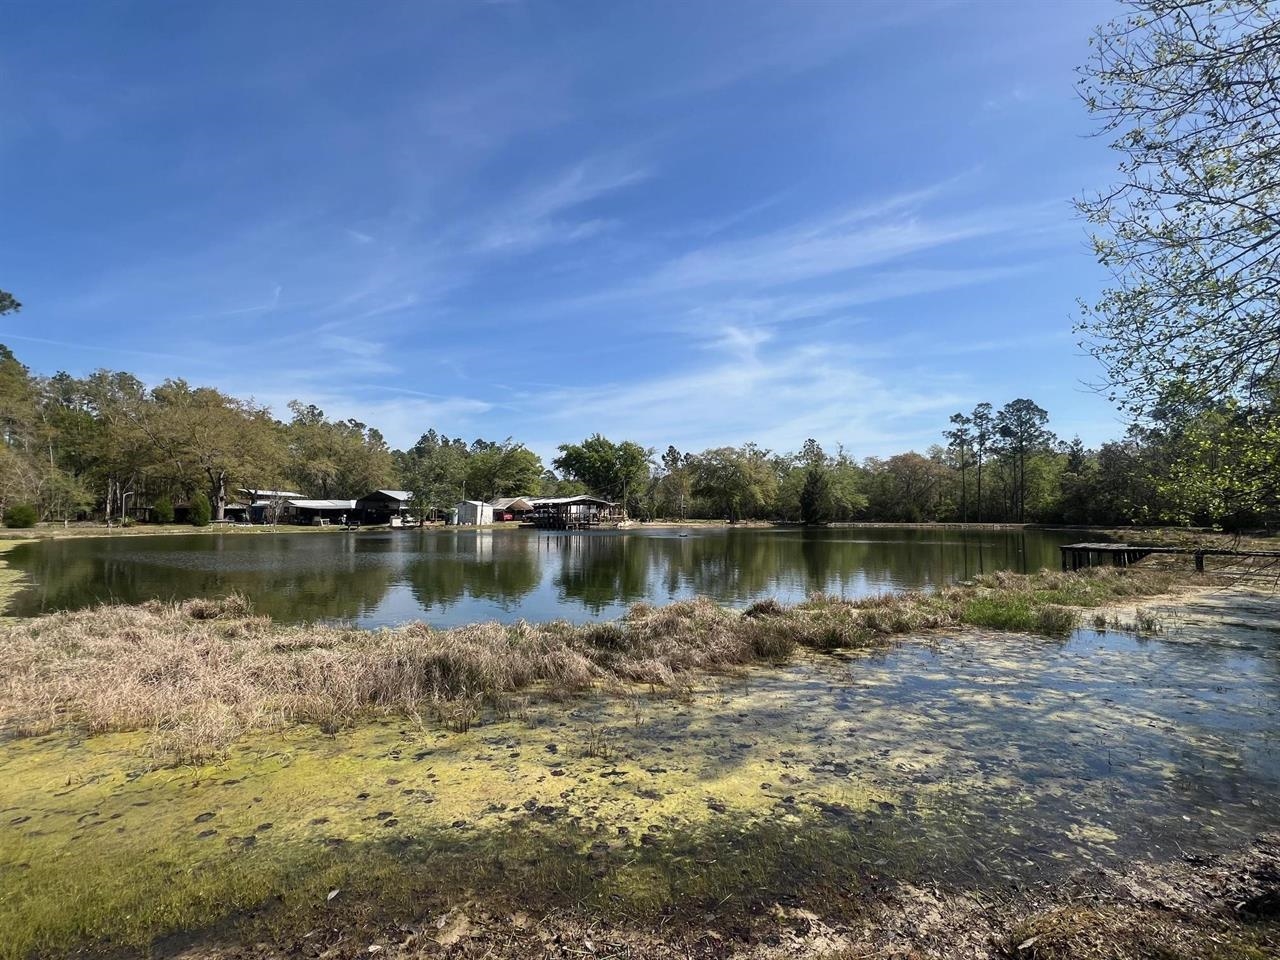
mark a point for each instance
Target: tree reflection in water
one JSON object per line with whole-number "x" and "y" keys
{"x": 457, "y": 575}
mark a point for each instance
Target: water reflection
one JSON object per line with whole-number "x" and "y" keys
{"x": 456, "y": 576}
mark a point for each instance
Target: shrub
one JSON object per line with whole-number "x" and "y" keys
{"x": 20, "y": 515}
{"x": 1052, "y": 621}
{"x": 201, "y": 512}
{"x": 1011, "y": 611}
{"x": 162, "y": 511}
{"x": 768, "y": 607}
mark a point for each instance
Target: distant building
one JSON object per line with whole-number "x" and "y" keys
{"x": 316, "y": 512}
{"x": 384, "y": 506}
{"x": 262, "y": 506}
{"x": 515, "y": 508}
{"x": 251, "y": 494}
{"x": 473, "y": 513}
{"x": 575, "y": 513}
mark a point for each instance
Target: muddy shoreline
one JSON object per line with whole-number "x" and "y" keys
{"x": 1226, "y": 907}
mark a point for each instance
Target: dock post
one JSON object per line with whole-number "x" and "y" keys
{"x": 1199, "y": 561}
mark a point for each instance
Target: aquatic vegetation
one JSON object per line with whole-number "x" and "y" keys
{"x": 200, "y": 674}
{"x": 96, "y": 851}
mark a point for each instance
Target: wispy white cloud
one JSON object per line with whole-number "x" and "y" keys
{"x": 362, "y": 355}
{"x": 777, "y": 308}
{"x": 751, "y": 387}
{"x": 538, "y": 216}
{"x": 91, "y": 347}
{"x": 851, "y": 241}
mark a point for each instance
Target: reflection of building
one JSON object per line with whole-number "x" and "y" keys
{"x": 384, "y": 506}
{"x": 512, "y": 508}
{"x": 473, "y": 513}
{"x": 574, "y": 513}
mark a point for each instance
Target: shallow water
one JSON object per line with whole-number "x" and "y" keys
{"x": 980, "y": 761}
{"x": 455, "y": 576}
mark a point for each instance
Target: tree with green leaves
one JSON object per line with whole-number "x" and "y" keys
{"x": 1190, "y": 91}
{"x": 738, "y": 483}
{"x": 1189, "y": 330}
{"x": 905, "y": 487}
{"x": 553, "y": 485}
{"x": 20, "y": 516}
{"x": 982, "y": 424}
{"x": 1217, "y": 458}
{"x": 619, "y": 471}
{"x": 1022, "y": 428}
{"x": 675, "y": 484}
{"x": 959, "y": 441}
{"x": 205, "y": 436}
{"x": 162, "y": 510}
{"x": 201, "y": 511}
{"x": 848, "y": 497}
{"x": 18, "y": 401}
{"x": 335, "y": 458}
{"x": 817, "y": 504}
{"x": 504, "y": 469}
{"x": 434, "y": 470}
{"x": 113, "y": 447}
{"x": 8, "y": 303}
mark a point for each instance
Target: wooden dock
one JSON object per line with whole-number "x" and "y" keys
{"x": 1077, "y": 555}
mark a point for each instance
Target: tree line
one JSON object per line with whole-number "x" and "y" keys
{"x": 107, "y": 446}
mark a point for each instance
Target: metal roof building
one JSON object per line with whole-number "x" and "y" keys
{"x": 384, "y": 506}
{"x": 256, "y": 495}
{"x": 513, "y": 504}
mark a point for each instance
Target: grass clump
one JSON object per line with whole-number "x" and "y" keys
{"x": 1020, "y": 614}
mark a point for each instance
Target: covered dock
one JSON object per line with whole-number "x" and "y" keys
{"x": 575, "y": 513}
{"x": 1077, "y": 555}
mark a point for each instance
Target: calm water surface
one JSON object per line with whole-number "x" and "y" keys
{"x": 458, "y": 576}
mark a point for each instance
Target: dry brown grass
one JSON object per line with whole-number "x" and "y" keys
{"x": 200, "y": 674}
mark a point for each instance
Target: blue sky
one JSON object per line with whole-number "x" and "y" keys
{"x": 689, "y": 223}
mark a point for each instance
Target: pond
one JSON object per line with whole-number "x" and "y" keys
{"x": 451, "y": 577}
